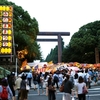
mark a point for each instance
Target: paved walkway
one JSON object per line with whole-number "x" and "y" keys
{"x": 92, "y": 84}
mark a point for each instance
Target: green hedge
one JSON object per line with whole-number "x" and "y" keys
{"x": 3, "y": 72}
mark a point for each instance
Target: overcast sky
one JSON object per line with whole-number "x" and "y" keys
{"x": 60, "y": 16}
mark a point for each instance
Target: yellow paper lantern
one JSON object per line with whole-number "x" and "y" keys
{"x": 9, "y": 50}
{"x": 9, "y": 38}
{"x": 7, "y": 8}
{"x": 0, "y": 38}
{"x": 6, "y": 50}
{"x": 3, "y": 8}
{"x": 2, "y": 50}
{"x": 9, "y": 44}
{"x": 9, "y": 32}
{"x": 0, "y": 8}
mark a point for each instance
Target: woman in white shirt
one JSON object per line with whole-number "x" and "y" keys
{"x": 75, "y": 82}
{"x": 79, "y": 88}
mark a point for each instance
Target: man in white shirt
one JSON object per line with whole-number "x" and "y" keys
{"x": 80, "y": 73}
{"x": 88, "y": 79}
{"x": 17, "y": 85}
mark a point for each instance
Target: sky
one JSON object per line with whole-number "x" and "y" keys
{"x": 60, "y": 16}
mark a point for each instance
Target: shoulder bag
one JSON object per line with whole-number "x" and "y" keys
{"x": 61, "y": 89}
{"x": 27, "y": 87}
{"x": 85, "y": 91}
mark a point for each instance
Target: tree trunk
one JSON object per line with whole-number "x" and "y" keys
{"x": 96, "y": 55}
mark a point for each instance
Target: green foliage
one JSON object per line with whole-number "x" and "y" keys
{"x": 25, "y": 31}
{"x": 2, "y": 2}
{"x": 53, "y": 56}
{"x": 83, "y": 43}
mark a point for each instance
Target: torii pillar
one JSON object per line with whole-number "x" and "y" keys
{"x": 59, "y": 34}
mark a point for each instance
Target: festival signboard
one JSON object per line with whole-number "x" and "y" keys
{"x": 6, "y": 29}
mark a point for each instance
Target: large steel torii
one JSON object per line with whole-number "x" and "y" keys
{"x": 59, "y": 34}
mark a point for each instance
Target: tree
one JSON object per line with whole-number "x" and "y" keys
{"x": 25, "y": 30}
{"x": 53, "y": 56}
{"x": 84, "y": 42}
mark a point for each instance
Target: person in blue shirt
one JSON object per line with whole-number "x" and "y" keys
{"x": 29, "y": 77}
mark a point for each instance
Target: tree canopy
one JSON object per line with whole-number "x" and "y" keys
{"x": 83, "y": 43}
{"x": 25, "y": 30}
{"x": 53, "y": 55}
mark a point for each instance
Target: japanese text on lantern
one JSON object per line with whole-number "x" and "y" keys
{"x": 6, "y": 29}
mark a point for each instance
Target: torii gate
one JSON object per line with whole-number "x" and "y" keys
{"x": 59, "y": 34}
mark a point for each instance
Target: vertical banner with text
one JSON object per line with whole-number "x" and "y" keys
{"x": 6, "y": 29}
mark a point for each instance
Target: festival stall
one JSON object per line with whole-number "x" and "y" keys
{"x": 51, "y": 67}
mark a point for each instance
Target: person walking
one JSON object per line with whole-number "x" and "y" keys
{"x": 29, "y": 77}
{"x": 68, "y": 87}
{"x": 79, "y": 88}
{"x": 23, "y": 91}
{"x": 56, "y": 79}
{"x": 11, "y": 82}
{"x": 4, "y": 84}
{"x": 60, "y": 78}
{"x": 17, "y": 85}
{"x": 51, "y": 89}
{"x": 35, "y": 76}
{"x": 87, "y": 79}
{"x": 95, "y": 76}
{"x": 75, "y": 82}
{"x": 46, "y": 77}
{"x": 40, "y": 82}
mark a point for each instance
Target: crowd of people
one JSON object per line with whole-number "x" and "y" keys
{"x": 79, "y": 79}
{"x": 73, "y": 82}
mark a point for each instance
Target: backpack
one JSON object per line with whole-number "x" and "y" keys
{"x": 4, "y": 94}
{"x": 56, "y": 79}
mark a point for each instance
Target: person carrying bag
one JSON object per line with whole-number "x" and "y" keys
{"x": 51, "y": 89}
{"x": 68, "y": 86}
{"x": 81, "y": 89}
{"x": 23, "y": 90}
